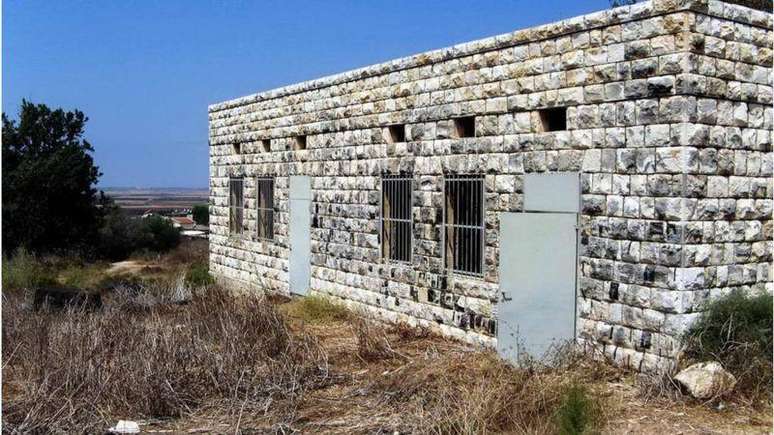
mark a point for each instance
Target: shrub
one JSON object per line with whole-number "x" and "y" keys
{"x": 578, "y": 412}
{"x": 736, "y": 330}
{"x": 83, "y": 276}
{"x": 199, "y": 275}
{"x": 121, "y": 235}
{"x": 25, "y": 271}
{"x": 161, "y": 235}
{"x": 201, "y": 214}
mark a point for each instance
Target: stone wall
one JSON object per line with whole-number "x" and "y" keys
{"x": 669, "y": 122}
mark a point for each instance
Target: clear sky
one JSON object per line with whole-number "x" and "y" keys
{"x": 145, "y": 71}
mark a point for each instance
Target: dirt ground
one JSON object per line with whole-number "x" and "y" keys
{"x": 351, "y": 405}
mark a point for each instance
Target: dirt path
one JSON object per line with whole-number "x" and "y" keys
{"x": 126, "y": 267}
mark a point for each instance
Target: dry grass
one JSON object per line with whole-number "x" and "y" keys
{"x": 477, "y": 392}
{"x": 317, "y": 309}
{"x": 372, "y": 341}
{"x": 659, "y": 386}
{"x": 186, "y": 253}
{"x": 77, "y": 371}
{"x": 224, "y": 364}
{"x": 180, "y": 359}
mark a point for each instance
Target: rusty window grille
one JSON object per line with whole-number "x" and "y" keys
{"x": 396, "y": 222}
{"x": 264, "y": 205}
{"x": 463, "y": 224}
{"x": 236, "y": 205}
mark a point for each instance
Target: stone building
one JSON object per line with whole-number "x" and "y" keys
{"x": 599, "y": 178}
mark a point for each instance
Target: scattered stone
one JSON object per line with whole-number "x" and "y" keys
{"x": 706, "y": 380}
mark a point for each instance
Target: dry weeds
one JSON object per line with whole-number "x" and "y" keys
{"x": 208, "y": 361}
{"x": 77, "y": 370}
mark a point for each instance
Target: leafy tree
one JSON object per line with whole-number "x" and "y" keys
{"x": 119, "y": 234}
{"x": 160, "y": 235}
{"x": 49, "y": 199}
{"x": 201, "y": 214}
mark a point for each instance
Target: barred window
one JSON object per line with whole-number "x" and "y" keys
{"x": 396, "y": 218}
{"x": 236, "y": 205}
{"x": 464, "y": 224}
{"x": 264, "y": 220}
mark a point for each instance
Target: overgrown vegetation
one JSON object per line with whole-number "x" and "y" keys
{"x": 121, "y": 235}
{"x": 198, "y": 275}
{"x": 166, "y": 348}
{"x": 478, "y": 392}
{"x": 83, "y": 275}
{"x": 579, "y": 412}
{"x": 736, "y": 330}
{"x": 372, "y": 341}
{"x": 77, "y": 370}
{"x": 24, "y": 270}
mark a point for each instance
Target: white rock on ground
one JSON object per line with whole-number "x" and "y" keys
{"x": 705, "y": 380}
{"x": 125, "y": 426}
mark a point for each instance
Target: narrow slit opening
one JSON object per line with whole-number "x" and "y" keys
{"x": 554, "y": 119}
{"x": 396, "y": 133}
{"x": 465, "y": 126}
{"x": 299, "y": 143}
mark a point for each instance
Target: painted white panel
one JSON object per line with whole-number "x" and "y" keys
{"x": 300, "y": 187}
{"x": 558, "y": 192}
{"x": 537, "y": 278}
{"x": 300, "y": 222}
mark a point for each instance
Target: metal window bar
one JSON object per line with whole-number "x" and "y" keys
{"x": 464, "y": 224}
{"x": 236, "y": 204}
{"x": 396, "y": 220}
{"x": 264, "y": 208}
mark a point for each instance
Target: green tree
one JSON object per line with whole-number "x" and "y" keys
{"x": 159, "y": 234}
{"x": 49, "y": 199}
{"x": 119, "y": 235}
{"x": 201, "y": 214}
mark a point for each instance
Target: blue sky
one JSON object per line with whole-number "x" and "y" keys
{"x": 145, "y": 71}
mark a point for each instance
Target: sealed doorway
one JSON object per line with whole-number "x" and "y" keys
{"x": 538, "y": 262}
{"x": 299, "y": 267}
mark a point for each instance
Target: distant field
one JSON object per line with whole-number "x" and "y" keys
{"x": 138, "y": 200}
